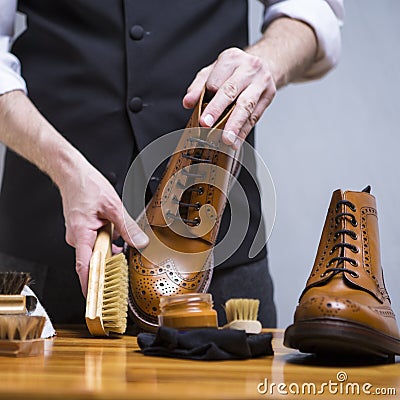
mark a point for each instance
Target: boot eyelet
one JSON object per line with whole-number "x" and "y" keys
{"x": 196, "y": 221}
{"x": 355, "y": 249}
{"x": 197, "y": 205}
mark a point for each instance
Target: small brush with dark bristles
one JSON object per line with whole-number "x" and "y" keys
{"x": 11, "y": 299}
{"x": 20, "y": 334}
{"x": 13, "y": 282}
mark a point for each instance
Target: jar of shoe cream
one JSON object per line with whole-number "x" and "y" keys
{"x": 187, "y": 311}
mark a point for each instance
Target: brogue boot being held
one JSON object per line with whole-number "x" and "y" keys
{"x": 182, "y": 220}
{"x": 345, "y": 308}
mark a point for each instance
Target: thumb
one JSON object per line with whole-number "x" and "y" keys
{"x": 130, "y": 231}
{"x": 193, "y": 93}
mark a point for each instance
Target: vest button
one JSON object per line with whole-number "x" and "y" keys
{"x": 137, "y": 32}
{"x": 136, "y": 104}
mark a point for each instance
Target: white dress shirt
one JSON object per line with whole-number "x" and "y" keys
{"x": 324, "y": 16}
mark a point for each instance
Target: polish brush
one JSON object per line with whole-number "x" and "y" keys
{"x": 107, "y": 297}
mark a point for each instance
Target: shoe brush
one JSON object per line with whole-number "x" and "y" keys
{"x": 107, "y": 296}
{"x": 11, "y": 285}
{"x": 20, "y": 334}
{"x": 241, "y": 314}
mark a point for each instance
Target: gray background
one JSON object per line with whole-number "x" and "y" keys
{"x": 338, "y": 132}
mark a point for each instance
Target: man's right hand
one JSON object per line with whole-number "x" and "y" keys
{"x": 89, "y": 200}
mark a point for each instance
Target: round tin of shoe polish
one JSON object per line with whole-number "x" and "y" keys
{"x": 187, "y": 311}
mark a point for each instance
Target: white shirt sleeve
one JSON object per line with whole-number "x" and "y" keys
{"x": 10, "y": 68}
{"x": 325, "y": 17}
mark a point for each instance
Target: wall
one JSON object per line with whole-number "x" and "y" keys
{"x": 339, "y": 132}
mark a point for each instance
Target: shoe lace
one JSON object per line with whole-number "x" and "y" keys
{"x": 341, "y": 258}
{"x": 196, "y": 159}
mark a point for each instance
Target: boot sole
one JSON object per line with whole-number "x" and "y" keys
{"x": 333, "y": 337}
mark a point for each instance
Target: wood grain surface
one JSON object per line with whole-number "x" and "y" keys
{"x": 77, "y": 366}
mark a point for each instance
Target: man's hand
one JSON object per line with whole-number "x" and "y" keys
{"x": 89, "y": 202}
{"x": 235, "y": 75}
{"x": 251, "y": 77}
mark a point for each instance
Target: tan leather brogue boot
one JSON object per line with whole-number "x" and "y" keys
{"x": 345, "y": 308}
{"x": 182, "y": 221}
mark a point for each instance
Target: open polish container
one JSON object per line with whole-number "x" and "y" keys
{"x": 187, "y": 311}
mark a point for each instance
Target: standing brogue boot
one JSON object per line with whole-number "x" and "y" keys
{"x": 345, "y": 308}
{"x": 182, "y": 220}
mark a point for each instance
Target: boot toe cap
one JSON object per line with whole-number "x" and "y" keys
{"x": 360, "y": 310}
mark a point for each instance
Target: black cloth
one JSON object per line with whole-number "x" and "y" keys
{"x": 110, "y": 76}
{"x": 205, "y": 344}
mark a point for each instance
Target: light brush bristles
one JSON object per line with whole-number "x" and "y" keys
{"x": 243, "y": 309}
{"x": 242, "y": 314}
{"x": 115, "y": 295}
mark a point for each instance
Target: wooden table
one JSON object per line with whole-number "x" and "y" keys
{"x": 76, "y": 366}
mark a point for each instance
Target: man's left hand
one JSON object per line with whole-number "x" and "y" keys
{"x": 234, "y": 76}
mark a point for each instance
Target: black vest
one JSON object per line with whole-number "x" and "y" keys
{"x": 110, "y": 76}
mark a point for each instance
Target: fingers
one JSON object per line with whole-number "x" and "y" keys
{"x": 232, "y": 73}
{"x": 83, "y": 253}
{"x": 245, "y": 115}
{"x": 235, "y": 76}
{"x": 87, "y": 207}
{"x": 83, "y": 239}
{"x": 116, "y": 249}
{"x": 196, "y": 87}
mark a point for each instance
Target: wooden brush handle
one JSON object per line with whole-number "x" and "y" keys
{"x": 12, "y": 304}
{"x": 104, "y": 241}
{"x": 94, "y": 300}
